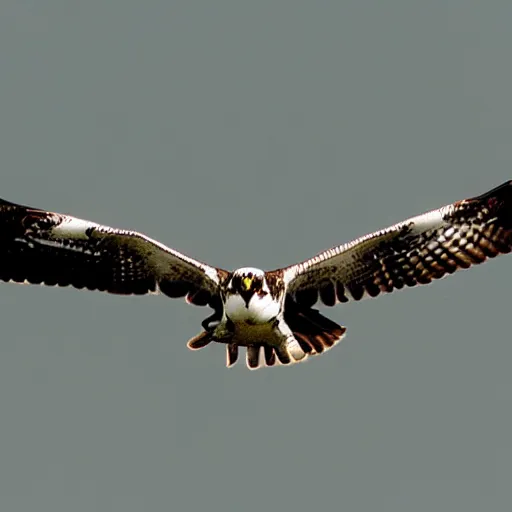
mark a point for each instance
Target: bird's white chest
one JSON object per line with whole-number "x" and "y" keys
{"x": 260, "y": 310}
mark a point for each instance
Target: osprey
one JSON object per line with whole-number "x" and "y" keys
{"x": 270, "y": 313}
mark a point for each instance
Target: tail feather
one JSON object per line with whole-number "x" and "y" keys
{"x": 311, "y": 334}
{"x": 306, "y": 345}
{"x": 314, "y": 332}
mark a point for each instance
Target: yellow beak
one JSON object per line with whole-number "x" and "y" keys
{"x": 246, "y": 283}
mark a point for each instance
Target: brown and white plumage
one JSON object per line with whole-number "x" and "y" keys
{"x": 269, "y": 313}
{"x": 39, "y": 247}
{"x": 415, "y": 251}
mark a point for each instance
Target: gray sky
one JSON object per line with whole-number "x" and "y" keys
{"x": 255, "y": 133}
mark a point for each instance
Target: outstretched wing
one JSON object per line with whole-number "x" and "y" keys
{"x": 413, "y": 252}
{"x": 40, "y": 247}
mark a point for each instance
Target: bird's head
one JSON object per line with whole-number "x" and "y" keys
{"x": 247, "y": 281}
{"x": 248, "y": 297}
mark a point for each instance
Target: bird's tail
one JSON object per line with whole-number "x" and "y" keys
{"x": 314, "y": 332}
{"x": 305, "y": 333}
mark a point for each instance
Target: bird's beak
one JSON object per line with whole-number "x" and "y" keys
{"x": 246, "y": 283}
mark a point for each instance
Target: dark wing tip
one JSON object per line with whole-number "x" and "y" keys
{"x": 416, "y": 251}
{"x": 43, "y": 247}
{"x": 500, "y": 190}
{"x": 35, "y": 248}
{"x": 499, "y": 202}
{"x": 4, "y": 202}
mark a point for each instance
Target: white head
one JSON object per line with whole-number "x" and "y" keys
{"x": 246, "y": 281}
{"x": 248, "y": 297}
{"x": 249, "y": 270}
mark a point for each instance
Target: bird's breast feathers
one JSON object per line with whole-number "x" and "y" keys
{"x": 259, "y": 310}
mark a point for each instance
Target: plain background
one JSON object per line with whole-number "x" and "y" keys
{"x": 255, "y": 133}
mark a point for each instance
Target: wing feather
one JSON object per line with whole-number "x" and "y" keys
{"x": 40, "y": 247}
{"x": 413, "y": 252}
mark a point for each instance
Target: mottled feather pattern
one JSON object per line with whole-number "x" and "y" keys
{"x": 43, "y": 247}
{"x": 410, "y": 253}
{"x": 40, "y": 247}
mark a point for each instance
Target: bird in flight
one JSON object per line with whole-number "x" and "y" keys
{"x": 269, "y": 313}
